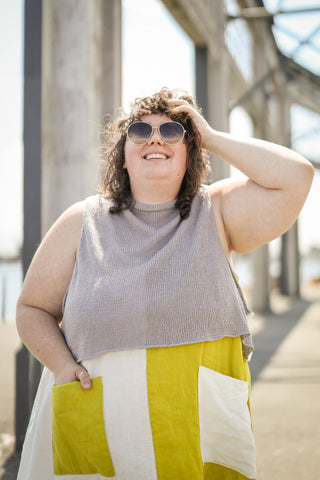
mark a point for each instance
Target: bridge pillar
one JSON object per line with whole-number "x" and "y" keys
{"x": 81, "y": 83}
{"x": 290, "y": 256}
{"x": 72, "y": 79}
{"x": 260, "y": 298}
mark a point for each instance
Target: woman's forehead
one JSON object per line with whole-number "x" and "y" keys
{"x": 155, "y": 118}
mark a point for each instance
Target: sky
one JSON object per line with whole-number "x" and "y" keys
{"x": 10, "y": 126}
{"x": 143, "y": 73}
{"x": 143, "y": 59}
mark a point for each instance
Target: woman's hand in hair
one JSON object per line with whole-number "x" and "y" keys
{"x": 201, "y": 125}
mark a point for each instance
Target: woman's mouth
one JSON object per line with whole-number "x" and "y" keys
{"x": 156, "y": 156}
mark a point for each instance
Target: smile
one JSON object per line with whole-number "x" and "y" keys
{"x": 160, "y": 156}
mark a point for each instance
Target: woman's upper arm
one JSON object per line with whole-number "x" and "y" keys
{"x": 51, "y": 269}
{"x": 253, "y": 215}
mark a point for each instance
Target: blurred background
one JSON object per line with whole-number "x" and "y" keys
{"x": 154, "y": 50}
{"x": 65, "y": 65}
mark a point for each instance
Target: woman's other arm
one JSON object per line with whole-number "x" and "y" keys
{"x": 39, "y": 306}
{"x": 253, "y": 211}
{"x": 258, "y": 209}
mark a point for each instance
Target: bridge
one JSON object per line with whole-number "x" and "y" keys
{"x": 73, "y": 79}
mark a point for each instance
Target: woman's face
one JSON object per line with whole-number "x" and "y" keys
{"x": 155, "y": 162}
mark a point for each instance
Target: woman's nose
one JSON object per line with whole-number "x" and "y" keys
{"x": 155, "y": 137}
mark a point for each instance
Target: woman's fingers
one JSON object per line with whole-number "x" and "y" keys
{"x": 183, "y": 106}
{"x": 84, "y": 377}
{"x": 202, "y": 126}
{"x": 71, "y": 374}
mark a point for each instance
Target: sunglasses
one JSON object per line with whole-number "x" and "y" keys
{"x": 171, "y": 133}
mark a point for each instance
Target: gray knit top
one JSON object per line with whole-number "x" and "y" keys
{"x": 145, "y": 278}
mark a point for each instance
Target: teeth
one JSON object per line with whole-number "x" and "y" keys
{"x": 155, "y": 155}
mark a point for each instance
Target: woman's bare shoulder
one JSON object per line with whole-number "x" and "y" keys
{"x": 68, "y": 226}
{"x": 73, "y": 214}
{"x": 51, "y": 268}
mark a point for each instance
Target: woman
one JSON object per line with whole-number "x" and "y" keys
{"x": 148, "y": 371}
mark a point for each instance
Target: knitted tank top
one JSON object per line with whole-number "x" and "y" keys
{"x": 145, "y": 278}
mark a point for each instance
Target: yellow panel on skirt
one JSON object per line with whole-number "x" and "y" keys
{"x": 78, "y": 435}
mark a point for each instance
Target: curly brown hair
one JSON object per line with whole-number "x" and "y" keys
{"x": 115, "y": 181}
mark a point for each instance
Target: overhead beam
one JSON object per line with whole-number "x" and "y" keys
{"x": 297, "y": 10}
{"x": 260, "y": 13}
{"x": 306, "y": 40}
{"x": 303, "y": 41}
{"x": 252, "y": 13}
{"x": 197, "y": 21}
{"x": 304, "y": 95}
{"x": 301, "y": 83}
{"x": 256, "y": 86}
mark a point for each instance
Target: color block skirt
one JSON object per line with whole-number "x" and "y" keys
{"x": 178, "y": 413}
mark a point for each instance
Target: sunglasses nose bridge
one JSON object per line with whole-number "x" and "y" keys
{"x": 159, "y": 138}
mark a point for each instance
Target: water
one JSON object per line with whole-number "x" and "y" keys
{"x": 309, "y": 269}
{"x": 10, "y": 286}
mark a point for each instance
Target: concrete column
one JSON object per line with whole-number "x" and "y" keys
{"x": 32, "y": 131}
{"x": 290, "y": 262}
{"x": 202, "y": 79}
{"x": 218, "y": 86}
{"x": 290, "y": 256}
{"x": 72, "y": 79}
{"x": 260, "y": 298}
{"x": 81, "y": 79}
{"x": 27, "y": 368}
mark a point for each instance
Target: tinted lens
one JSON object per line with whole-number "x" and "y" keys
{"x": 139, "y": 132}
{"x": 171, "y": 132}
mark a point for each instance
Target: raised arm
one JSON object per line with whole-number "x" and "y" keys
{"x": 39, "y": 306}
{"x": 260, "y": 208}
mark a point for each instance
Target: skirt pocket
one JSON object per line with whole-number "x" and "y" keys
{"x": 78, "y": 433}
{"x": 226, "y": 436}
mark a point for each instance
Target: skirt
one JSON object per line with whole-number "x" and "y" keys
{"x": 175, "y": 413}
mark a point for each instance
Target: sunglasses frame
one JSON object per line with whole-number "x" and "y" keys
{"x": 157, "y": 128}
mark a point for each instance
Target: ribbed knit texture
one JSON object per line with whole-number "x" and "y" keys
{"x": 144, "y": 278}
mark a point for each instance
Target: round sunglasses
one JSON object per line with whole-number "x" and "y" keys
{"x": 171, "y": 133}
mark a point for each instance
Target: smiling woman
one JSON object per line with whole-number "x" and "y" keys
{"x": 147, "y": 373}
{"x": 157, "y": 162}
{"x": 169, "y": 134}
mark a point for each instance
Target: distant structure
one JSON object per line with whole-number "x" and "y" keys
{"x": 73, "y": 78}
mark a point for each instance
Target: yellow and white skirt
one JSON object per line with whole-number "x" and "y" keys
{"x": 178, "y": 413}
